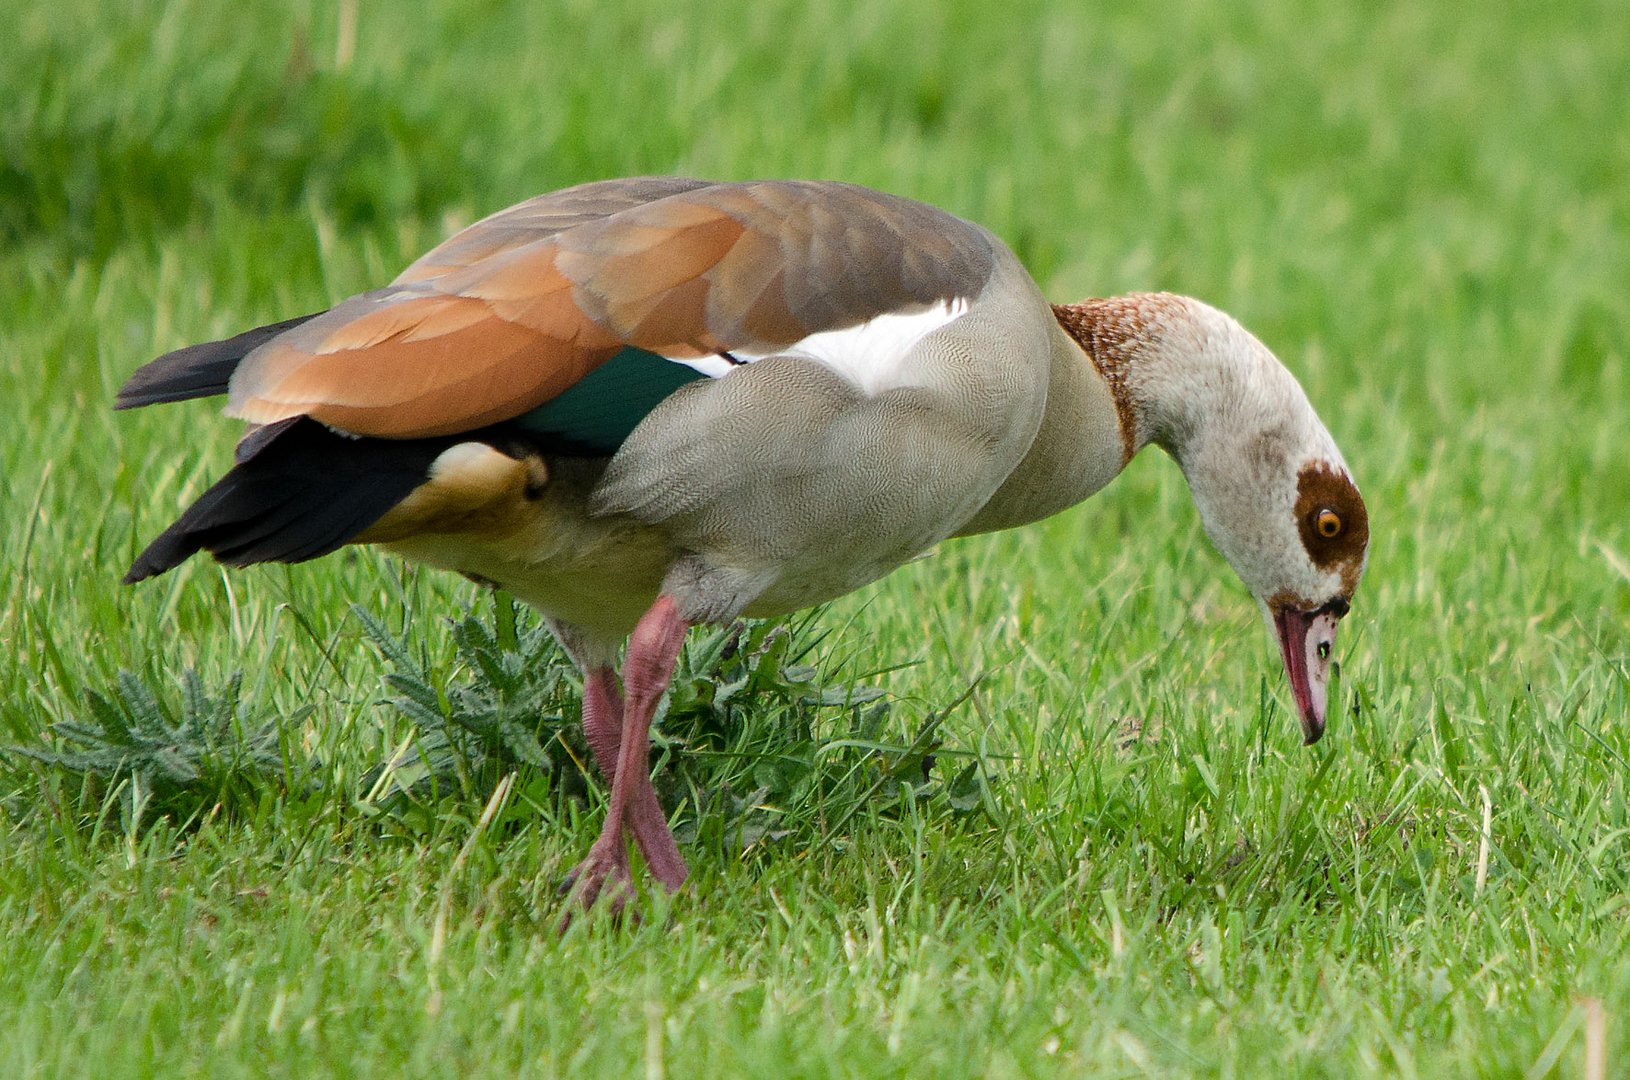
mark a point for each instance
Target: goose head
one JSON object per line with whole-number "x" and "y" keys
{"x": 1273, "y": 492}
{"x": 1294, "y": 528}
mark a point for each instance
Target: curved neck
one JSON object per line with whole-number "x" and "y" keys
{"x": 1194, "y": 382}
{"x": 1185, "y": 376}
{"x": 1145, "y": 368}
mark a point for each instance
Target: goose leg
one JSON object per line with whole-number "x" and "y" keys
{"x": 603, "y": 728}
{"x": 647, "y": 669}
{"x": 603, "y": 719}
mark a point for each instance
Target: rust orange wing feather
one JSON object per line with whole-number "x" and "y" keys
{"x": 514, "y": 310}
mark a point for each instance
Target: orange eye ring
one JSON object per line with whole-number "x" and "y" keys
{"x": 1327, "y": 523}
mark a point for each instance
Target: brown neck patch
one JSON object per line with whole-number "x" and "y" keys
{"x": 1332, "y": 520}
{"x": 1111, "y": 331}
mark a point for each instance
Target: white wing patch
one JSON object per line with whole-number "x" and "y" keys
{"x": 870, "y": 354}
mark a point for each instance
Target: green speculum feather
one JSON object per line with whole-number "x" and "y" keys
{"x": 598, "y": 412}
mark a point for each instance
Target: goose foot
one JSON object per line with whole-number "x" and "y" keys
{"x": 603, "y": 879}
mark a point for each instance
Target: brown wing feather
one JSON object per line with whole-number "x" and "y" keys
{"x": 519, "y": 307}
{"x": 540, "y": 217}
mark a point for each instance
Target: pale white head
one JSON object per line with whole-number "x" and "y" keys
{"x": 1287, "y": 517}
{"x": 1273, "y": 492}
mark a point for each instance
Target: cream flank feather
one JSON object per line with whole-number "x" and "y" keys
{"x": 643, "y": 404}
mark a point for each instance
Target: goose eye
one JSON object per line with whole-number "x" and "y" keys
{"x": 1328, "y": 523}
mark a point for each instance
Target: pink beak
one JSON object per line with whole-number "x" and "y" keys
{"x": 1306, "y": 640}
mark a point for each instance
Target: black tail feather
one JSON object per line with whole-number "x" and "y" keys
{"x": 300, "y": 493}
{"x": 198, "y": 370}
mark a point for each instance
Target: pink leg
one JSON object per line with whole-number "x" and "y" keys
{"x": 603, "y": 727}
{"x": 647, "y": 670}
{"x": 603, "y": 718}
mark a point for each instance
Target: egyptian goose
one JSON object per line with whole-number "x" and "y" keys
{"x": 643, "y": 404}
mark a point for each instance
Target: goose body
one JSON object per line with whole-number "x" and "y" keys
{"x": 643, "y": 404}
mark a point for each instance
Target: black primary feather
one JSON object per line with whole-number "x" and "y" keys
{"x": 299, "y": 490}
{"x": 198, "y": 370}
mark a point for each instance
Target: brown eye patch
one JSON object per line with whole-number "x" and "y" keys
{"x": 1332, "y": 520}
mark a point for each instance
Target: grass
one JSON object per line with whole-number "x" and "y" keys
{"x": 1420, "y": 207}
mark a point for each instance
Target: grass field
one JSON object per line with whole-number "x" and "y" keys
{"x": 1423, "y": 208}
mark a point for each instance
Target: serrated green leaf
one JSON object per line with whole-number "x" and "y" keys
{"x": 966, "y": 790}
